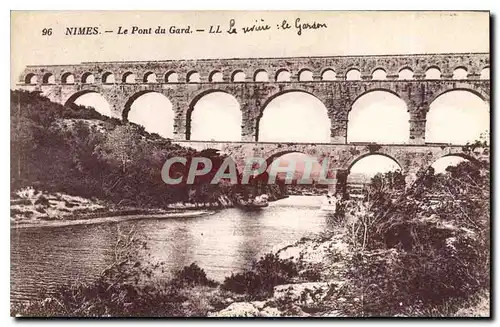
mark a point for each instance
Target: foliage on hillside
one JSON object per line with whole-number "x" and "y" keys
{"x": 76, "y": 150}
{"x": 423, "y": 249}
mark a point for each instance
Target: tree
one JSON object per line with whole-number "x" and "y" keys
{"x": 121, "y": 144}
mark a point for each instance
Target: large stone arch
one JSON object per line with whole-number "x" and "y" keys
{"x": 157, "y": 115}
{"x": 73, "y": 97}
{"x": 374, "y": 88}
{"x": 310, "y": 151}
{"x": 485, "y": 96}
{"x": 475, "y": 158}
{"x": 131, "y": 99}
{"x": 368, "y": 92}
{"x": 463, "y": 155}
{"x": 197, "y": 97}
{"x": 270, "y": 157}
{"x": 462, "y": 117}
{"x": 347, "y": 176}
{"x": 284, "y": 91}
{"x": 347, "y": 166}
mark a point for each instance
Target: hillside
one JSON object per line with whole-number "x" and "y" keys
{"x": 79, "y": 152}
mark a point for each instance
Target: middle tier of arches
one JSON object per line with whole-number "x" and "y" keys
{"x": 258, "y": 114}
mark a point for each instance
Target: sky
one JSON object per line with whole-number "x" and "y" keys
{"x": 347, "y": 33}
{"x": 379, "y": 116}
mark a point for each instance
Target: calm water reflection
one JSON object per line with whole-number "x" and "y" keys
{"x": 220, "y": 243}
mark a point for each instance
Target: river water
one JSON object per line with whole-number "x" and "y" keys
{"x": 220, "y": 243}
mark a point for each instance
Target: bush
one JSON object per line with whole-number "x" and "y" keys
{"x": 43, "y": 201}
{"x": 311, "y": 274}
{"x": 130, "y": 287}
{"x": 121, "y": 295}
{"x": 247, "y": 282}
{"x": 420, "y": 254}
{"x": 395, "y": 282}
{"x": 192, "y": 275}
{"x": 265, "y": 273}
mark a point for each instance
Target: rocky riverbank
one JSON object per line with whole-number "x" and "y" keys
{"x": 325, "y": 286}
{"x": 318, "y": 290}
{"x": 34, "y": 208}
{"x": 30, "y": 208}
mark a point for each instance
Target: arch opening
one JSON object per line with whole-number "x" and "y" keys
{"x": 328, "y": 75}
{"x": 294, "y": 116}
{"x": 108, "y": 78}
{"x": 193, "y": 77}
{"x": 353, "y": 75}
{"x": 150, "y": 77}
{"x": 49, "y": 78}
{"x": 31, "y": 79}
{"x": 68, "y": 78}
{"x": 379, "y": 74}
{"x": 485, "y": 73}
{"x": 460, "y": 73}
{"x": 362, "y": 171}
{"x": 171, "y": 77}
{"x": 238, "y": 76}
{"x": 441, "y": 165}
{"x": 88, "y": 78}
{"x": 128, "y": 78}
{"x": 283, "y": 75}
{"x": 405, "y": 74}
{"x": 300, "y": 168}
{"x": 379, "y": 116}
{"x": 433, "y": 73}
{"x": 261, "y": 76}
{"x": 152, "y": 110}
{"x": 216, "y": 77}
{"x": 305, "y": 75}
{"x": 90, "y": 98}
{"x": 457, "y": 117}
{"x": 209, "y": 112}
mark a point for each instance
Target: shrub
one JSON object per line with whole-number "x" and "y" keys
{"x": 394, "y": 282}
{"x": 247, "y": 282}
{"x": 43, "y": 201}
{"x": 265, "y": 273}
{"x": 419, "y": 255}
{"x": 311, "y": 274}
{"x": 128, "y": 288}
{"x": 192, "y": 275}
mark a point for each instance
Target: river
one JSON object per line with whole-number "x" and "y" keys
{"x": 220, "y": 243}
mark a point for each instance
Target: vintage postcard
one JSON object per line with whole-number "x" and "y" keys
{"x": 250, "y": 164}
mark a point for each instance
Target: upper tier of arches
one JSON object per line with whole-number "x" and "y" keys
{"x": 259, "y": 75}
{"x": 314, "y": 69}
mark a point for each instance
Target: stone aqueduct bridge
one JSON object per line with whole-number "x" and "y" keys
{"x": 341, "y": 157}
{"x": 184, "y": 82}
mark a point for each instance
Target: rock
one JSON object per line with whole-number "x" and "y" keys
{"x": 314, "y": 251}
{"x": 270, "y": 312}
{"x": 247, "y": 309}
{"x": 238, "y": 309}
{"x": 303, "y": 292}
{"x": 259, "y": 304}
{"x": 333, "y": 313}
